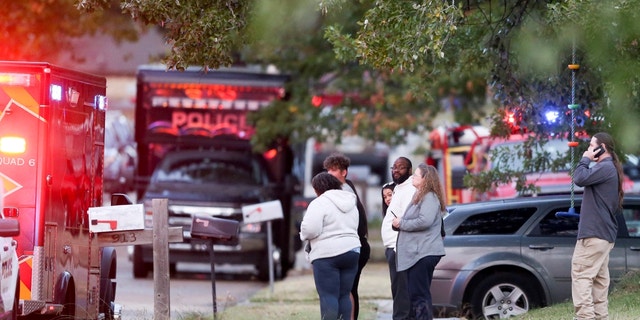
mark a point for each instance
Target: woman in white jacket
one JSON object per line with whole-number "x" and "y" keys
{"x": 330, "y": 225}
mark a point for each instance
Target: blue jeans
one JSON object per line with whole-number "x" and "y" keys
{"x": 365, "y": 253}
{"x": 334, "y": 278}
{"x": 419, "y": 278}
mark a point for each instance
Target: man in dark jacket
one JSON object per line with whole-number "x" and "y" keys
{"x": 597, "y": 228}
{"x": 337, "y": 165}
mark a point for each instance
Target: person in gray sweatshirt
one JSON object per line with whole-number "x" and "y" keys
{"x": 420, "y": 243}
{"x": 330, "y": 226}
{"x": 597, "y": 228}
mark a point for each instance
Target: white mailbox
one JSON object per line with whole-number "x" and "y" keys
{"x": 263, "y": 211}
{"x": 116, "y": 218}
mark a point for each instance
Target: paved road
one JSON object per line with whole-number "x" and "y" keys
{"x": 190, "y": 291}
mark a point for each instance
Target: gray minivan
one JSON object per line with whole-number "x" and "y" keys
{"x": 505, "y": 257}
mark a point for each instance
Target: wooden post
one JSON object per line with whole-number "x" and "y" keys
{"x": 161, "y": 306}
{"x": 212, "y": 259}
{"x": 270, "y": 255}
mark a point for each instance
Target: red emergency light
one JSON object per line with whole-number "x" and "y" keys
{"x": 270, "y": 154}
{"x": 10, "y": 212}
{"x": 327, "y": 100}
{"x": 511, "y": 118}
{"x": 212, "y": 89}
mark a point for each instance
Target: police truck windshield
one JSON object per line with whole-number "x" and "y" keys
{"x": 207, "y": 171}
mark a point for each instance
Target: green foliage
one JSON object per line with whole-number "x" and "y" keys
{"x": 377, "y": 104}
{"x": 396, "y": 63}
{"x": 202, "y": 32}
{"x": 399, "y": 34}
{"x": 523, "y": 49}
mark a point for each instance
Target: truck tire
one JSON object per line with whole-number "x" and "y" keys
{"x": 140, "y": 268}
{"x": 107, "y": 297}
{"x": 69, "y": 303}
{"x": 516, "y": 296}
{"x": 108, "y": 269}
{"x": 65, "y": 294}
{"x": 173, "y": 270}
{"x": 263, "y": 269}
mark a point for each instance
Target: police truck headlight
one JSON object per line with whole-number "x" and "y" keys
{"x": 251, "y": 228}
{"x": 148, "y": 214}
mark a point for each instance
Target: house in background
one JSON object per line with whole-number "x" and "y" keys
{"x": 118, "y": 62}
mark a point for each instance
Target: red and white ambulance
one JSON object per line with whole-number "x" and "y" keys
{"x": 51, "y": 167}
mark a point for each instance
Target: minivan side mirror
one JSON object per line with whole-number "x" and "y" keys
{"x": 118, "y": 199}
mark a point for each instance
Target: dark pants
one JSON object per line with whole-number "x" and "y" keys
{"x": 399, "y": 288}
{"x": 419, "y": 278}
{"x": 334, "y": 278}
{"x": 365, "y": 253}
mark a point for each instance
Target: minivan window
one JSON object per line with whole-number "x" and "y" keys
{"x": 632, "y": 219}
{"x": 495, "y": 222}
{"x": 552, "y": 226}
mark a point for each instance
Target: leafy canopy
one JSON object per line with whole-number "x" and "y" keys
{"x": 396, "y": 64}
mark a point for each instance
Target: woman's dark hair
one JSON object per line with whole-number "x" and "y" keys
{"x": 324, "y": 181}
{"x": 607, "y": 140}
{"x": 389, "y": 185}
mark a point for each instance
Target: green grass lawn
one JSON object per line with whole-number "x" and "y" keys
{"x": 624, "y": 303}
{"x": 296, "y": 297}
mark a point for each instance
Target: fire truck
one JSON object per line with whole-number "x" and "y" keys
{"x": 460, "y": 150}
{"x": 194, "y": 149}
{"x": 452, "y": 154}
{"x": 51, "y": 165}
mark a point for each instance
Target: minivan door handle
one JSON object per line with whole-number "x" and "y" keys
{"x": 541, "y": 247}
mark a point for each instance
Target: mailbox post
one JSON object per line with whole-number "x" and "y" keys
{"x": 214, "y": 231}
{"x": 122, "y": 224}
{"x": 260, "y": 212}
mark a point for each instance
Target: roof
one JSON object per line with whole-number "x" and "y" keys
{"x": 101, "y": 54}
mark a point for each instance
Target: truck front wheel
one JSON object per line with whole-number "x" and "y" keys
{"x": 69, "y": 303}
{"x": 108, "y": 282}
{"x": 263, "y": 269}
{"x": 140, "y": 268}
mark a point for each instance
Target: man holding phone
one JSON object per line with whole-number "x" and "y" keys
{"x": 597, "y": 228}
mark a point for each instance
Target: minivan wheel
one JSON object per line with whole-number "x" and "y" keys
{"x": 503, "y": 295}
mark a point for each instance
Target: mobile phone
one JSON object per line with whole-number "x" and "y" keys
{"x": 599, "y": 151}
{"x": 392, "y": 227}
